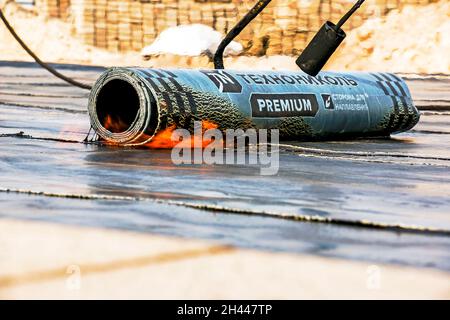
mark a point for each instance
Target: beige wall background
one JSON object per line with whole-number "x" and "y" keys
{"x": 283, "y": 28}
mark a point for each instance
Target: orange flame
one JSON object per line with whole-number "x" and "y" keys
{"x": 163, "y": 139}
{"x": 114, "y": 125}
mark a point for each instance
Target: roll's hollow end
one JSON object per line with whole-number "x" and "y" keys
{"x": 122, "y": 108}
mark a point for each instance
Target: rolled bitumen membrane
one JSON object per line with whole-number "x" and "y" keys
{"x": 331, "y": 105}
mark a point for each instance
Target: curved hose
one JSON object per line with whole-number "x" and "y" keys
{"x": 237, "y": 29}
{"x": 39, "y": 61}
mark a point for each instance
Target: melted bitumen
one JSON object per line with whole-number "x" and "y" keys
{"x": 403, "y": 180}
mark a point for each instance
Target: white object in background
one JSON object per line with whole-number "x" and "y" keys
{"x": 189, "y": 40}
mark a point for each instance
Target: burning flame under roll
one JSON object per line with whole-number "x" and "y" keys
{"x": 164, "y": 138}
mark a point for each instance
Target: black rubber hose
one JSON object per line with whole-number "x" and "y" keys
{"x": 349, "y": 14}
{"x": 39, "y": 61}
{"x": 237, "y": 29}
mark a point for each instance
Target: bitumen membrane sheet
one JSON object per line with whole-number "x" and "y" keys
{"x": 377, "y": 200}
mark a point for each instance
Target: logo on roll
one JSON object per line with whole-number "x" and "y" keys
{"x": 328, "y": 101}
{"x": 224, "y": 81}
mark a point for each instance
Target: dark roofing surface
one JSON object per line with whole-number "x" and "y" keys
{"x": 42, "y": 121}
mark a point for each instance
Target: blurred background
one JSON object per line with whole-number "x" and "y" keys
{"x": 408, "y": 36}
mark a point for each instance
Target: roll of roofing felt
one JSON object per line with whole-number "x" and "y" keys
{"x": 129, "y": 106}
